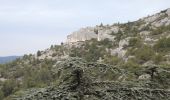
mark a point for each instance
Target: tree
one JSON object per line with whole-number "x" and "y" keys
{"x": 135, "y": 42}
{"x": 101, "y": 25}
{"x": 39, "y": 53}
{"x": 144, "y": 54}
{"x": 62, "y": 43}
{"x": 119, "y": 35}
{"x": 9, "y": 87}
{"x": 163, "y": 45}
{"x": 51, "y": 47}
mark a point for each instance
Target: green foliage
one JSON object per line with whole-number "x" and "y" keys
{"x": 9, "y": 87}
{"x": 112, "y": 60}
{"x": 54, "y": 54}
{"x": 39, "y": 53}
{"x": 131, "y": 66}
{"x": 21, "y": 75}
{"x": 106, "y": 43}
{"x": 143, "y": 54}
{"x": 163, "y": 45}
{"x": 160, "y": 30}
{"x": 51, "y": 47}
{"x": 44, "y": 76}
{"x": 92, "y": 50}
{"x": 101, "y": 25}
{"x": 129, "y": 29}
{"x": 37, "y": 78}
{"x": 1, "y": 95}
{"x": 29, "y": 82}
{"x": 158, "y": 58}
{"x": 119, "y": 35}
{"x": 135, "y": 42}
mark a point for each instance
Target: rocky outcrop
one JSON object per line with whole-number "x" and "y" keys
{"x": 109, "y": 31}
{"x": 82, "y": 35}
{"x": 98, "y": 32}
{"x": 120, "y": 51}
{"x": 168, "y": 12}
{"x": 159, "y": 19}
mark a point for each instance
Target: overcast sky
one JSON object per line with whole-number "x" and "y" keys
{"x": 30, "y": 25}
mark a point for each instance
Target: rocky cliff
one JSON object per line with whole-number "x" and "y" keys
{"x": 82, "y": 35}
{"x": 102, "y": 32}
{"x": 98, "y": 32}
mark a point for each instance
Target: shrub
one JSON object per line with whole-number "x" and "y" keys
{"x": 39, "y": 53}
{"x": 119, "y": 35}
{"x": 163, "y": 45}
{"x": 158, "y": 58}
{"x": 144, "y": 54}
{"x": 1, "y": 95}
{"x": 9, "y": 87}
{"x": 113, "y": 60}
{"x": 135, "y": 42}
{"x": 131, "y": 66}
{"x": 106, "y": 43}
{"x": 160, "y": 30}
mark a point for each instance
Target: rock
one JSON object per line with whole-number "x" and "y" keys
{"x": 115, "y": 29}
{"x": 152, "y": 18}
{"x": 168, "y": 12}
{"x": 3, "y": 79}
{"x": 120, "y": 51}
{"x": 144, "y": 33}
{"x": 82, "y": 35}
{"x": 144, "y": 77}
{"x": 88, "y": 33}
{"x": 104, "y": 33}
{"x": 163, "y": 21}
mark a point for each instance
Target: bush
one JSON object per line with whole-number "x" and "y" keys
{"x": 135, "y": 42}
{"x": 39, "y": 53}
{"x": 160, "y": 30}
{"x": 9, "y": 87}
{"x": 113, "y": 60}
{"x": 106, "y": 43}
{"x": 131, "y": 66}
{"x": 158, "y": 58}
{"x": 163, "y": 45}
{"x": 119, "y": 35}
{"x": 91, "y": 51}
{"x": 1, "y": 95}
{"x": 144, "y": 54}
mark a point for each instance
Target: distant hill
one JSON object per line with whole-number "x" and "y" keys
{"x": 8, "y": 59}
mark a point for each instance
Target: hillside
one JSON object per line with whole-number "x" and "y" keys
{"x": 128, "y": 61}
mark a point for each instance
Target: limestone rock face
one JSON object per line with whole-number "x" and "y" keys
{"x": 168, "y": 12}
{"x": 105, "y": 33}
{"x": 120, "y": 50}
{"x": 99, "y": 33}
{"x": 159, "y": 19}
{"x": 82, "y": 35}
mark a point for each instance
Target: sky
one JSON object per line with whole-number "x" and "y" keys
{"x": 27, "y": 26}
